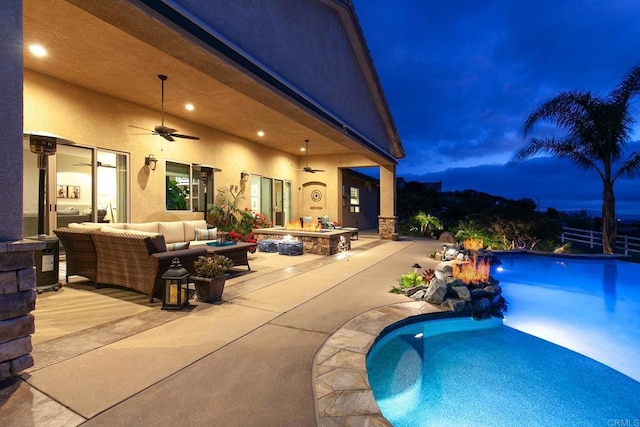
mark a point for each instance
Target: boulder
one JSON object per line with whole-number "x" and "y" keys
{"x": 483, "y": 304}
{"x": 436, "y": 291}
{"x": 413, "y": 290}
{"x": 457, "y": 305}
{"x": 492, "y": 290}
{"x": 445, "y": 268}
{"x": 418, "y": 295}
{"x": 462, "y": 292}
{"x": 477, "y": 293}
{"x": 447, "y": 237}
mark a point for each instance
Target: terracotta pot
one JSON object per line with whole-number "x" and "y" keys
{"x": 209, "y": 290}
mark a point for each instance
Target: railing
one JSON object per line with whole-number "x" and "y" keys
{"x": 627, "y": 244}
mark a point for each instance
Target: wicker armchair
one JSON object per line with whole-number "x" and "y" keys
{"x": 80, "y": 253}
{"x": 132, "y": 261}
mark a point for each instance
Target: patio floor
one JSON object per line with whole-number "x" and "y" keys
{"x": 109, "y": 357}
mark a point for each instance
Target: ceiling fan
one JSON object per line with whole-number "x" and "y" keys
{"x": 165, "y": 132}
{"x": 307, "y": 168}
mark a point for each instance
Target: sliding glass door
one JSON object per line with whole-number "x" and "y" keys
{"x": 82, "y": 185}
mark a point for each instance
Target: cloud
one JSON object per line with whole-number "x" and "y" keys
{"x": 461, "y": 77}
{"x": 465, "y": 74}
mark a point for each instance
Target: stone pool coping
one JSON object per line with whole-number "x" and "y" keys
{"x": 341, "y": 389}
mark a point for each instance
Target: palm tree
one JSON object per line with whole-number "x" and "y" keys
{"x": 427, "y": 222}
{"x": 597, "y": 131}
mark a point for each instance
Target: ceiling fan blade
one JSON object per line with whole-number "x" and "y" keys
{"x": 179, "y": 135}
{"x": 166, "y": 136}
{"x": 138, "y": 127}
{"x": 164, "y": 129}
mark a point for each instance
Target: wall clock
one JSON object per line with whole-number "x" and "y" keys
{"x": 316, "y": 195}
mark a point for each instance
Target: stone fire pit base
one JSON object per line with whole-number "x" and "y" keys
{"x": 325, "y": 242}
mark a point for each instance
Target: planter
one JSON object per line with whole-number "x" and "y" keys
{"x": 209, "y": 290}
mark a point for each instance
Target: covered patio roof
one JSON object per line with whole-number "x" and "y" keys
{"x": 119, "y": 47}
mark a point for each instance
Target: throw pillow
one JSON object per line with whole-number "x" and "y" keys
{"x": 177, "y": 246}
{"x": 206, "y": 234}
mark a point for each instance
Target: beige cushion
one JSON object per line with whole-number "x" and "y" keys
{"x": 119, "y": 225}
{"x": 206, "y": 234}
{"x": 149, "y": 227}
{"x": 157, "y": 240}
{"x": 173, "y": 231}
{"x": 190, "y": 228}
{"x": 84, "y": 227}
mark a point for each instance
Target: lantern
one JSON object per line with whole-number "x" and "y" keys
{"x": 175, "y": 287}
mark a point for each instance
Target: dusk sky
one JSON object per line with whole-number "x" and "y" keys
{"x": 461, "y": 77}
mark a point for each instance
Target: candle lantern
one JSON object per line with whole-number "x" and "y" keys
{"x": 175, "y": 287}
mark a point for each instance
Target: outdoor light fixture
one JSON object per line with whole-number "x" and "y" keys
{"x": 151, "y": 161}
{"x": 244, "y": 175}
{"x": 175, "y": 287}
{"x": 416, "y": 267}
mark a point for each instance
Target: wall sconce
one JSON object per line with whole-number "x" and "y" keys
{"x": 244, "y": 175}
{"x": 151, "y": 161}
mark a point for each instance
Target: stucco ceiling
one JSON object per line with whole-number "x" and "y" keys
{"x": 121, "y": 52}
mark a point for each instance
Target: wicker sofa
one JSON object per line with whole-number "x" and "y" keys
{"x": 134, "y": 259}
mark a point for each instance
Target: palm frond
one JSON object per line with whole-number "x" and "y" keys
{"x": 630, "y": 167}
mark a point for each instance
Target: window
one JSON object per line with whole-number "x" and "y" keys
{"x": 354, "y": 194}
{"x": 178, "y": 186}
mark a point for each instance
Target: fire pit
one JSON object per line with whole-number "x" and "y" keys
{"x": 314, "y": 238}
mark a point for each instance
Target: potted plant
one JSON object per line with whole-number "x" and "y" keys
{"x": 211, "y": 275}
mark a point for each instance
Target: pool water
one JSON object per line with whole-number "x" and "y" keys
{"x": 465, "y": 372}
{"x": 591, "y": 306}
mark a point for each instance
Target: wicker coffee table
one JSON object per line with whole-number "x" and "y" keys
{"x": 236, "y": 252}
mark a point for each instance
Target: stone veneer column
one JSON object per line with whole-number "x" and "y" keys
{"x": 17, "y": 300}
{"x": 17, "y": 275}
{"x": 388, "y": 227}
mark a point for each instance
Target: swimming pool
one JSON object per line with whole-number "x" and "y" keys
{"x": 464, "y": 372}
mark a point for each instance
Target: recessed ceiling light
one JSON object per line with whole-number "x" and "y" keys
{"x": 260, "y": 133}
{"x": 303, "y": 149}
{"x": 38, "y": 50}
{"x": 189, "y": 107}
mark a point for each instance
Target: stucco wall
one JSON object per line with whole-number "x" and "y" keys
{"x": 95, "y": 120}
{"x": 304, "y": 42}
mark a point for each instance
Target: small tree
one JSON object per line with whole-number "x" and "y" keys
{"x": 427, "y": 222}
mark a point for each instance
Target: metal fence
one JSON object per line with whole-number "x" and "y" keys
{"x": 624, "y": 244}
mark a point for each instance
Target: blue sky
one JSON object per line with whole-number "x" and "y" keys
{"x": 461, "y": 76}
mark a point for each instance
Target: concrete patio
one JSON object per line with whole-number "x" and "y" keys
{"x": 110, "y": 359}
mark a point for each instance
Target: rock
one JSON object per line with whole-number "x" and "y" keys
{"x": 457, "y": 305}
{"x": 445, "y": 268}
{"x": 483, "y": 304}
{"x": 418, "y": 295}
{"x": 436, "y": 291}
{"x": 462, "y": 292}
{"x": 456, "y": 282}
{"x": 492, "y": 290}
{"x": 477, "y": 293}
{"x": 447, "y": 237}
{"x": 413, "y": 290}
{"x": 450, "y": 254}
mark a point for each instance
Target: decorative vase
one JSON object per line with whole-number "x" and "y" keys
{"x": 209, "y": 290}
